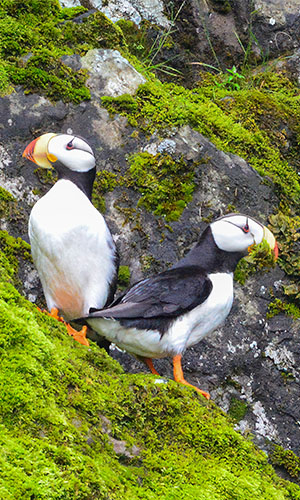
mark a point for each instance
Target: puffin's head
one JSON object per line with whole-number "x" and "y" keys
{"x": 238, "y": 232}
{"x": 72, "y": 151}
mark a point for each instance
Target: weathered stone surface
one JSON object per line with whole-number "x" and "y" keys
{"x": 69, "y": 3}
{"x": 110, "y": 73}
{"x": 217, "y": 33}
{"x": 290, "y": 66}
{"x": 278, "y": 11}
{"x": 134, "y": 10}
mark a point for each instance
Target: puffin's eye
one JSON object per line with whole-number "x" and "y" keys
{"x": 70, "y": 144}
{"x": 246, "y": 228}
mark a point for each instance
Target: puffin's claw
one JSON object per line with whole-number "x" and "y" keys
{"x": 78, "y": 336}
{"x": 179, "y": 377}
{"x": 53, "y": 313}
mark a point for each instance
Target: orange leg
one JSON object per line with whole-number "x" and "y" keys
{"x": 149, "y": 363}
{"x": 79, "y": 336}
{"x": 179, "y": 377}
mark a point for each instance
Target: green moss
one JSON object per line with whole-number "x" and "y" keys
{"x": 286, "y": 459}
{"x": 244, "y": 122}
{"x": 136, "y": 38}
{"x": 8, "y": 205}
{"x": 237, "y": 409}
{"x": 63, "y": 406}
{"x": 71, "y": 12}
{"x": 104, "y": 183}
{"x": 46, "y": 176}
{"x": 95, "y": 31}
{"x": 124, "y": 277}
{"x": 260, "y": 257}
{"x": 44, "y": 71}
{"x": 33, "y": 38}
{"x": 286, "y": 230}
{"x": 166, "y": 184}
{"x": 222, "y": 6}
{"x": 5, "y": 195}
{"x": 14, "y": 248}
{"x": 278, "y": 306}
{"x": 149, "y": 265}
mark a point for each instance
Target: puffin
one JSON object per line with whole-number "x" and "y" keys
{"x": 167, "y": 313}
{"x": 71, "y": 244}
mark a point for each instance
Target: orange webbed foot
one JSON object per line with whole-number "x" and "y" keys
{"x": 78, "y": 336}
{"x": 179, "y": 377}
{"x": 53, "y": 313}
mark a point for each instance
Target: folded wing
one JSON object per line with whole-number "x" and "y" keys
{"x": 166, "y": 295}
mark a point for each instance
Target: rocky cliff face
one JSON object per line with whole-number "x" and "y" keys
{"x": 169, "y": 159}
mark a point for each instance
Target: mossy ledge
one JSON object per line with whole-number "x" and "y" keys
{"x": 243, "y": 122}
{"x": 75, "y": 426}
{"x": 35, "y": 35}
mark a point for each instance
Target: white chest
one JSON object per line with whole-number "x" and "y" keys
{"x": 71, "y": 247}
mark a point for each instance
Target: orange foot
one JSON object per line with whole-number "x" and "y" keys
{"x": 78, "y": 336}
{"x": 179, "y": 377}
{"x": 52, "y": 314}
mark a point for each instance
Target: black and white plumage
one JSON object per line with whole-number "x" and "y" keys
{"x": 167, "y": 313}
{"x": 71, "y": 245}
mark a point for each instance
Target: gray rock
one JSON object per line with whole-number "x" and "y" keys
{"x": 277, "y": 11}
{"x": 110, "y": 73}
{"x": 73, "y": 61}
{"x": 70, "y": 3}
{"x": 134, "y": 10}
{"x": 116, "y": 10}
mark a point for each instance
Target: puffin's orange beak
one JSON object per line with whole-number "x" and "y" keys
{"x": 29, "y": 151}
{"x": 37, "y": 151}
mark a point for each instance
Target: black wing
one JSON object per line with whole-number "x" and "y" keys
{"x": 167, "y": 295}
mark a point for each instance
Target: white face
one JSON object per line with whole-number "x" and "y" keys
{"x": 72, "y": 151}
{"x": 237, "y": 232}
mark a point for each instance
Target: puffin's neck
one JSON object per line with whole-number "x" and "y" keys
{"x": 209, "y": 257}
{"x": 83, "y": 180}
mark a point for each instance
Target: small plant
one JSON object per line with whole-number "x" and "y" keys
{"x": 124, "y": 277}
{"x": 260, "y": 257}
{"x": 163, "y": 40}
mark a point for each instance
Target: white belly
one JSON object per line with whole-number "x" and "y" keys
{"x": 71, "y": 245}
{"x": 185, "y": 331}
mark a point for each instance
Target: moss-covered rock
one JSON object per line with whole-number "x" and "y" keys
{"x": 74, "y": 425}
{"x": 166, "y": 185}
{"x": 31, "y": 56}
{"x": 243, "y": 122}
